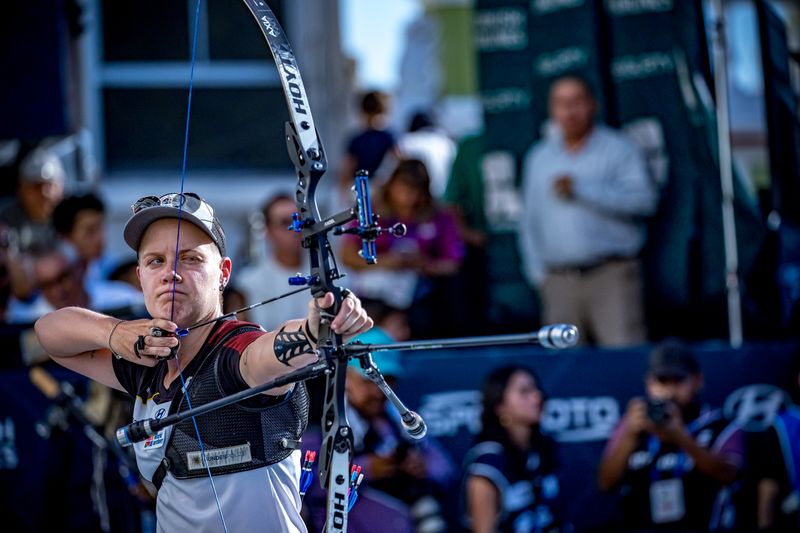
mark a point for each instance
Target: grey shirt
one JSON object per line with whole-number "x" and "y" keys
{"x": 613, "y": 193}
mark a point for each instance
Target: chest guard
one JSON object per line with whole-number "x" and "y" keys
{"x": 244, "y": 436}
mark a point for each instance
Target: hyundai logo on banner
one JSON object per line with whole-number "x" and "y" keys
{"x": 578, "y": 419}
{"x": 755, "y": 406}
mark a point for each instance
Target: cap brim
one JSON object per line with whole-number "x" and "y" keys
{"x": 138, "y": 223}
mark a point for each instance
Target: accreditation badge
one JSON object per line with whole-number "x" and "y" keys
{"x": 666, "y": 501}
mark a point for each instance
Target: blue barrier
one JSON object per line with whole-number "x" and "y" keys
{"x": 587, "y": 392}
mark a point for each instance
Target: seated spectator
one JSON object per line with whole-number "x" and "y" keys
{"x": 393, "y": 322}
{"x": 669, "y": 457}
{"x": 270, "y": 278}
{"x": 80, "y": 222}
{"x": 60, "y": 285}
{"x": 510, "y": 474}
{"x": 416, "y": 272}
{"x": 415, "y": 472}
{"x": 26, "y": 217}
{"x": 125, "y": 271}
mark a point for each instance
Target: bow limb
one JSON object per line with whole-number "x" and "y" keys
{"x": 308, "y": 156}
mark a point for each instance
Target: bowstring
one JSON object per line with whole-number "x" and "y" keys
{"x": 177, "y": 250}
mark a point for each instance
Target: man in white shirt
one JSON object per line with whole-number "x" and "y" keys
{"x": 270, "y": 277}
{"x": 586, "y": 193}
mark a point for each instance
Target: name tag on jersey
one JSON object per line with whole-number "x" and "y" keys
{"x": 232, "y": 455}
{"x": 155, "y": 441}
{"x": 666, "y": 501}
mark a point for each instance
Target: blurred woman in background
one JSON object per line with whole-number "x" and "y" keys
{"x": 510, "y": 479}
{"x": 419, "y": 272}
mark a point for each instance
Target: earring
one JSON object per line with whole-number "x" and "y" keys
{"x": 505, "y": 420}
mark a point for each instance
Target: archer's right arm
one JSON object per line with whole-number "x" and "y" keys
{"x": 81, "y": 340}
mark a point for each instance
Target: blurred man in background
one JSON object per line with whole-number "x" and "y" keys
{"x": 26, "y": 217}
{"x": 669, "y": 457}
{"x": 80, "y": 223}
{"x": 61, "y": 284}
{"x": 284, "y": 259}
{"x": 586, "y": 191}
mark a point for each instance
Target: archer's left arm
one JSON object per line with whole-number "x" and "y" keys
{"x": 293, "y": 344}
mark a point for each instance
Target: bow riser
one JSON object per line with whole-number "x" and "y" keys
{"x": 306, "y": 153}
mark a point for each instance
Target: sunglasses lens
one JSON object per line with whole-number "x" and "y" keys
{"x": 188, "y": 202}
{"x": 144, "y": 203}
{"x": 191, "y": 203}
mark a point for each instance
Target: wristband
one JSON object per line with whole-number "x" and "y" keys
{"x": 115, "y": 354}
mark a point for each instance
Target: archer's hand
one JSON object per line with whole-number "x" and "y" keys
{"x": 349, "y": 322}
{"x": 125, "y": 337}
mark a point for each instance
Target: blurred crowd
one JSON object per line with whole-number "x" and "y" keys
{"x": 581, "y": 208}
{"x": 673, "y": 462}
{"x": 484, "y": 252}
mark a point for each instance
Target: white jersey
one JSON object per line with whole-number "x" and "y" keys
{"x": 261, "y": 499}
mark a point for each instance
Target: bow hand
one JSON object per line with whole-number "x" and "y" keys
{"x": 350, "y": 320}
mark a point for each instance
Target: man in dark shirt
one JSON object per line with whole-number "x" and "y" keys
{"x": 774, "y": 459}
{"x": 669, "y": 457}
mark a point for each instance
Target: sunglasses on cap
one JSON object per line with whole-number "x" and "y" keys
{"x": 188, "y": 202}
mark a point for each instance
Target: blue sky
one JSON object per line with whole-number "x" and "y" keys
{"x": 373, "y": 34}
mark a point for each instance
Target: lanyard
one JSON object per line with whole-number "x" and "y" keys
{"x": 654, "y": 446}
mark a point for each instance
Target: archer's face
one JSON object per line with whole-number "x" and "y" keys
{"x": 200, "y": 273}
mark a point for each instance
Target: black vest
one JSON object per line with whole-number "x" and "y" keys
{"x": 267, "y": 429}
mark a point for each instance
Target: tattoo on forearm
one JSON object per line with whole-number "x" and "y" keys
{"x": 290, "y": 344}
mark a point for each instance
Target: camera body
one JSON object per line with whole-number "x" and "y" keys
{"x": 657, "y": 411}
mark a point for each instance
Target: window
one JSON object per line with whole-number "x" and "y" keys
{"x": 237, "y": 105}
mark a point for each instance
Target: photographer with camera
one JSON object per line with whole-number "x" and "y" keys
{"x": 669, "y": 457}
